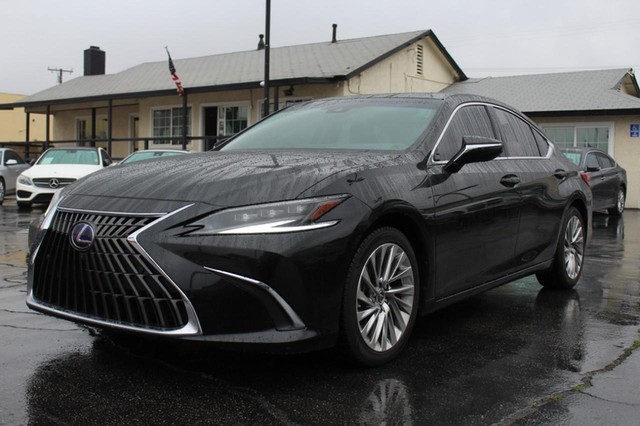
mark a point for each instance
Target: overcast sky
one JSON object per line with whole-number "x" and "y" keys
{"x": 485, "y": 37}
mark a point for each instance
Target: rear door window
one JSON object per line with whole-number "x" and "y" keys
{"x": 516, "y": 134}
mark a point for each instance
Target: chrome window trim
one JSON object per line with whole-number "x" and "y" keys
{"x": 431, "y": 161}
{"x": 293, "y": 316}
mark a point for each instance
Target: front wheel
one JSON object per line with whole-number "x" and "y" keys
{"x": 380, "y": 302}
{"x": 569, "y": 257}
{"x": 23, "y": 206}
{"x": 2, "y": 191}
{"x": 619, "y": 207}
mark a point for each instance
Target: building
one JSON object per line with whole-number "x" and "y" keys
{"x": 139, "y": 107}
{"x": 16, "y": 127}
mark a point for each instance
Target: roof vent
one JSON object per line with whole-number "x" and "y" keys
{"x": 261, "y": 42}
{"x": 419, "y": 59}
{"x": 94, "y": 61}
{"x": 333, "y": 38}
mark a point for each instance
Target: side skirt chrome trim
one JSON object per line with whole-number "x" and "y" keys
{"x": 293, "y": 317}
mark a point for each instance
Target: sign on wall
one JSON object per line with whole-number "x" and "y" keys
{"x": 635, "y": 130}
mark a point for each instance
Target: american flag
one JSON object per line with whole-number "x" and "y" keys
{"x": 174, "y": 75}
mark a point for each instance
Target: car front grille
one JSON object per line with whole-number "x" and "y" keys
{"x": 47, "y": 182}
{"x": 110, "y": 282}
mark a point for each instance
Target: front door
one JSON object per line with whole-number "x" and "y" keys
{"x": 210, "y": 127}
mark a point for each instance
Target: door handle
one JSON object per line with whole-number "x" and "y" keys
{"x": 510, "y": 181}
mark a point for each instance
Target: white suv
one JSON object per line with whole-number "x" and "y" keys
{"x": 55, "y": 169}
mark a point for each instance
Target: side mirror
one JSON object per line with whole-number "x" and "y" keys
{"x": 475, "y": 149}
{"x": 593, "y": 169}
{"x": 11, "y": 162}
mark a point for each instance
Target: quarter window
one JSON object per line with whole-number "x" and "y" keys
{"x": 468, "y": 121}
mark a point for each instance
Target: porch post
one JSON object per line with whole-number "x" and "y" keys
{"x": 27, "y": 136}
{"x": 47, "y": 136}
{"x": 184, "y": 121}
{"x": 92, "y": 143}
{"x": 109, "y": 125}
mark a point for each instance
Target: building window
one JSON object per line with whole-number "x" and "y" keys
{"x": 83, "y": 128}
{"x": 579, "y": 136}
{"x": 167, "y": 123}
{"x": 233, "y": 120}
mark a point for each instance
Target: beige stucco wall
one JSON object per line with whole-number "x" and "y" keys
{"x": 625, "y": 150}
{"x": 399, "y": 73}
{"x": 13, "y": 122}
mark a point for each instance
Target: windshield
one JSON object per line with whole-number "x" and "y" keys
{"x": 146, "y": 155}
{"x": 575, "y": 157}
{"x": 387, "y": 124}
{"x": 70, "y": 156}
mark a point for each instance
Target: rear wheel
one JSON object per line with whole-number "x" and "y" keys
{"x": 2, "y": 191}
{"x": 380, "y": 303}
{"x": 619, "y": 207}
{"x": 569, "y": 257}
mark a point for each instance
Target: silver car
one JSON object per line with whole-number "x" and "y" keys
{"x": 11, "y": 165}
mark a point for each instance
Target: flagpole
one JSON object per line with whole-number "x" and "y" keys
{"x": 267, "y": 46}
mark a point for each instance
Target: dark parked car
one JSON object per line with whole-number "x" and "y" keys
{"x": 331, "y": 222}
{"x": 608, "y": 181}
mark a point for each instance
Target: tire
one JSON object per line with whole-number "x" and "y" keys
{"x": 380, "y": 304}
{"x": 23, "y": 206}
{"x": 619, "y": 207}
{"x": 568, "y": 260}
{"x": 3, "y": 190}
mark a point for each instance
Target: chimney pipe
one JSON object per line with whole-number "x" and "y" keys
{"x": 333, "y": 39}
{"x": 261, "y": 42}
{"x": 94, "y": 61}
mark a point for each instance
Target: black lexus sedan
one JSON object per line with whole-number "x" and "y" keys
{"x": 607, "y": 180}
{"x": 333, "y": 222}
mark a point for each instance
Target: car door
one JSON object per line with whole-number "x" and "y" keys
{"x": 13, "y": 166}
{"x": 609, "y": 179}
{"x": 596, "y": 180}
{"x": 476, "y": 209}
{"x": 540, "y": 175}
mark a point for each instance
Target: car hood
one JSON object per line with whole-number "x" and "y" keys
{"x": 223, "y": 179}
{"x": 74, "y": 171}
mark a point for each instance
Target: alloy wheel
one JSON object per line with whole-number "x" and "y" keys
{"x": 573, "y": 247}
{"x": 620, "y": 203}
{"x": 385, "y": 297}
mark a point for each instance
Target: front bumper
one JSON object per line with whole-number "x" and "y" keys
{"x": 235, "y": 289}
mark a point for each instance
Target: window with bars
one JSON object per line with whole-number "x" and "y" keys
{"x": 167, "y": 123}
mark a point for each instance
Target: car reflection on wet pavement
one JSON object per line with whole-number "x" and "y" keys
{"x": 492, "y": 358}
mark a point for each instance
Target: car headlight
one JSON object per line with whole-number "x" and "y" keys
{"x": 24, "y": 180}
{"x": 281, "y": 217}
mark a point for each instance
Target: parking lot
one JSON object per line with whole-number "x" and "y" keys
{"x": 516, "y": 354}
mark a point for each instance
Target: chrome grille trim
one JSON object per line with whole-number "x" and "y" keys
{"x": 118, "y": 276}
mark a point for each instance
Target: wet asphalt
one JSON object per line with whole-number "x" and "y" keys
{"x": 514, "y": 355}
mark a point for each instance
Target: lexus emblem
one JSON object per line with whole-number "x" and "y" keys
{"x": 82, "y": 236}
{"x": 54, "y": 183}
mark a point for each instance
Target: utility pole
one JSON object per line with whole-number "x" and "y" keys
{"x": 267, "y": 45}
{"x": 59, "y": 71}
